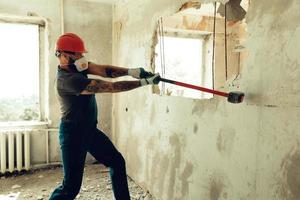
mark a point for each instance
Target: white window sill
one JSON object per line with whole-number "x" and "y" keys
{"x": 23, "y": 125}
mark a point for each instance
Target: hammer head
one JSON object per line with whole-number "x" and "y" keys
{"x": 235, "y": 97}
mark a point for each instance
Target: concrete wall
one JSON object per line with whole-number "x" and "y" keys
{"x": 93, "y": 22}
{"x": 180, "y": 148}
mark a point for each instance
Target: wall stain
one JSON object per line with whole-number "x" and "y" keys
{"x": 118, "y": 27}
{"x": 289, "y": 183}
{"x": 151, "y": 143}
{"x": 225, "y": 141}
{"x": 176, "y": 145}
{"x": 195, "y": 130}
{"x": 163, "y": 169}
{"x": 217, "y": 187}
{"x": 187, "y": 172}
{"x": 265, "y": 7}
{"x": 204, "y": 105}
{"x": 148, "y": 175}
{"x": 149, "y": 159}
{"x": 152, "y": 114}
{"x": 197, "y": 109}
{"x": 154, "y": 170}
{"x": 132, "y": 153}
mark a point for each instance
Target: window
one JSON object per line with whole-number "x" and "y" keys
{"x": 19, "y": 72}
{"x": 185, "y": 61}
{"x": 202, "y": 45}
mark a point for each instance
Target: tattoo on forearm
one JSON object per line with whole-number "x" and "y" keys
{"x": 113, "y": 73}
{"x": 125, "y": 85}
{"x": 97, "y": 86}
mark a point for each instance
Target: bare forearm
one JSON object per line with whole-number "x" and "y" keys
{"x": 99, "y": 86}
{"x": 107, "y": 70}
{"x": 114, "y": 72}
{"x": 123, "y": 86}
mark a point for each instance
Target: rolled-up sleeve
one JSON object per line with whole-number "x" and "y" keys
{"x": 75, "y": 84}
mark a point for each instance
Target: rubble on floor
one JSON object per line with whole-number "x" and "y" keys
{"x": 38, "y": 185}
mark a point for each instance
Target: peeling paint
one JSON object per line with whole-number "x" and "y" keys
{"x": 189, "y": 23}
{"x": 190, "y": 4}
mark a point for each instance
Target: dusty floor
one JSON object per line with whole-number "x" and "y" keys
{"x": 39, "y": 184}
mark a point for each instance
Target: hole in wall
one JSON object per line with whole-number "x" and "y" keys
{"x": 201, "y": 44}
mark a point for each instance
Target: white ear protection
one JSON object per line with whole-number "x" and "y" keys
{"x": 81, "y": 64}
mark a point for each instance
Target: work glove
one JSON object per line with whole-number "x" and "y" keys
{"x": 139, "y": 73}
{"x": 154, "y": 80}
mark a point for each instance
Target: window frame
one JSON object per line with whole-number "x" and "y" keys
{"x": 207, "y": 38}
{"x": 43, "y": 77}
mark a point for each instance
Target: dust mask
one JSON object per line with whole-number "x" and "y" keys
{"x": 81, "y": 64}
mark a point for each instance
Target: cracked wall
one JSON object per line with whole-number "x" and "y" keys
{"x": 180, "y": 148}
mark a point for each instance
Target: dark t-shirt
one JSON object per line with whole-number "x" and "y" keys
{"x": 75, "y": 107}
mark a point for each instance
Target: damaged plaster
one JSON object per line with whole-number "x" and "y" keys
{"x": 212, "y": 149}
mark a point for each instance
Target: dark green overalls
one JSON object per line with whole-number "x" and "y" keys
{"x": 78, "y": 134}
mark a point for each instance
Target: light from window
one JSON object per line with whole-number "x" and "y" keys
{"x": 19, "y": 72}
{"x": 184, "y": 62}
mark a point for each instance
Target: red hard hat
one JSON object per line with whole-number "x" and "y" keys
{"x": 70, "y": 42}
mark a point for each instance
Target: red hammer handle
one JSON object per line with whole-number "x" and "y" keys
{"x": 224, "y": 94}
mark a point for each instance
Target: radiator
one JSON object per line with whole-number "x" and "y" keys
{"x": 14, "y": 151}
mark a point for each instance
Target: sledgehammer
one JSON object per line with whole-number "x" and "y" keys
{"x": 232, "y": 97}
